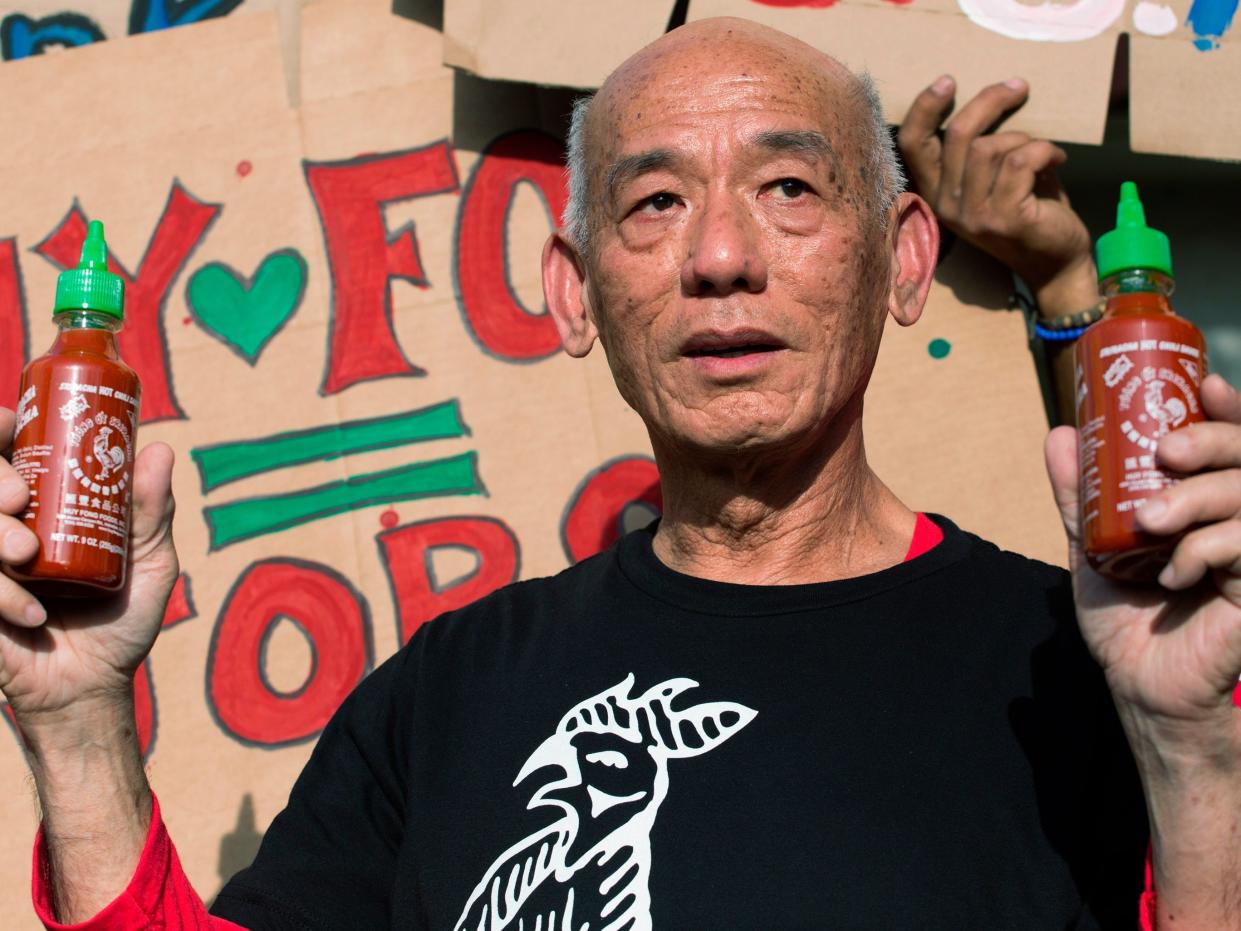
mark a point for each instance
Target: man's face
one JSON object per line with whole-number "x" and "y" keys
{"x": 738, "y": 278}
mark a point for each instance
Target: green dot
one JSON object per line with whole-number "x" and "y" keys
{"x": 939, "y": 348}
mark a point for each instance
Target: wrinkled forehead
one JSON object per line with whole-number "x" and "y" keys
{"x": 728, "y": 74}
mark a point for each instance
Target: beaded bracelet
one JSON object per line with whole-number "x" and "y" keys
{"x": 1077, "y": 321}
{"x": 1058, "y": 336}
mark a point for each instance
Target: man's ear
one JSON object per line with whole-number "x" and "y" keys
{"x": 914, "y": 238}
{"x": 564, "y": 288}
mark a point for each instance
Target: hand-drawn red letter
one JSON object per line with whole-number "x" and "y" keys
{"x": 333, "y": 617}
{"x": 363, "y": 257}
{"x": 14, "y": 343}
{"x": 594, "y": 518}
{"x": 142, "y": 343}
{"x": 492, "y": 309}
{"x": 406, "y": 553}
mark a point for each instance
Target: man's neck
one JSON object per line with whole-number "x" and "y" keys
{"x": 783, "y": 519}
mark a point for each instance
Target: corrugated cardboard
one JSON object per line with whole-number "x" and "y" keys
{"x": 1184, "y": 101}
{"x": 1184, "y": 91}
{"x": 572, "y": 43}
{"x": 906, "y": 47}
{"x": 201, "y": 110}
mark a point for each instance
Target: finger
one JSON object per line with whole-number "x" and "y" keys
{"x": 1023, "y": 170}
{"x": 918, "y": 136}
{"x": 975, "y": 118}
{"x": 982, "y": 167}
{"x": 1029, "y": 169}
{"x": 7, "y": 421}
{"x": 18, "y": 544}
{"x": 153, "y": 502}
{"x": 1216, "y": 547}
{"x": 1207, "y": 498}
{"x": 18, "y": 607}
{"x": 1060, "y": 452}
{"x": 1220, "y": 400}
{"x": 14, "y": 495}
{"x": 1212, "y": 444}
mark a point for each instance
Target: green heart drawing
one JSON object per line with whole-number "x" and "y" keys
{"x": 245, "y": 313}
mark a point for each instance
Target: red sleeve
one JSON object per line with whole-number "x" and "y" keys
{"x": 1146, "y": 904}
{"x": 158, "y": 896}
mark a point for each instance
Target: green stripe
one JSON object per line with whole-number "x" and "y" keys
{"x": 253, "y": 517}
{"x": 227, "y": 462}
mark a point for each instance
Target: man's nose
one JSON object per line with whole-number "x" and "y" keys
{"x": 725, "y": 252}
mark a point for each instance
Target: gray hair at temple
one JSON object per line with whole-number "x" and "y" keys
{"x": 882, "y": 167}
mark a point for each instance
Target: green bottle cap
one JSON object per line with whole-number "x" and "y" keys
{"x": 1132, "y": 244}
{"x": 91, "y": 286}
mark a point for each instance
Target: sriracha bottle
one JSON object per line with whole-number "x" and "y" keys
{"x": 77, "y": 416}
{"x": 1138, "y": 377}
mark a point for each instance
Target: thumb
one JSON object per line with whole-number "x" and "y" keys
{"x": 151, "y": 525}
{"x": 1060, "y": 452}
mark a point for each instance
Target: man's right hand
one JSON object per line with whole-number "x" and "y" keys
{"x": 67, "y": 669}
{"x": 60, "y": 659}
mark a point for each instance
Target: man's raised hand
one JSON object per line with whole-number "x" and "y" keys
{"x": 62, "y": 657}
{"x": 1172, "y": 652}
{"x": 999, "y": 190}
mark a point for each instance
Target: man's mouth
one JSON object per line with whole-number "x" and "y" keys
{"x": 734, "y": 351}
{"x": 730, "y": 345}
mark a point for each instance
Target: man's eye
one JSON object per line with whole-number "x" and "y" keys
{"x": 791, "y": 187}
{"x": 660, "y": 202}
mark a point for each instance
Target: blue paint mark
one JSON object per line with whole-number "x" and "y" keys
{"x": 21, "y": 36}
{"x": 1209, "y": 20}
{"x": 154, "y": 15}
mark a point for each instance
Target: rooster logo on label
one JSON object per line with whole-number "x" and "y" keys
{"x": 590, "y": 868}
{"x": 1157, "y": 401}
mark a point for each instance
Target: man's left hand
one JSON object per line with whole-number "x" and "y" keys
{"x": 1172, "y": 652}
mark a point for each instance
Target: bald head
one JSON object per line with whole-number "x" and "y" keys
{"x": 731, "y": 56}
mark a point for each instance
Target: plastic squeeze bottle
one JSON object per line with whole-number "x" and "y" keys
{"x": 77, "y": 416}
{"x": 1138, "y": 376}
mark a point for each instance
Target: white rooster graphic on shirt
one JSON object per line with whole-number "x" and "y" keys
{"x": 590, "y": 868}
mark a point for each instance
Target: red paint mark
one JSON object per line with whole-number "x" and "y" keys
{"x": 334, "y": 618}
{"x": 389, "y": 518}
{"x": 13, "y": 337}
{"x": 180, "y": 605}
{"x": 364, "y": 257}
{"x": 180, "y": 228}
{"x": 12, "y": 722}
{"x": 495, "y": 315}
{"x": 592, "y": 521}
{"x": 244, "y": 168}
{"x": 406, "y": 557}
{"x": 816, "y": 4}
{"x": 144, "y": 707}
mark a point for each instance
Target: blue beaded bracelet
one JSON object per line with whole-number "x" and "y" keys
{"x": 1058, "y": 336}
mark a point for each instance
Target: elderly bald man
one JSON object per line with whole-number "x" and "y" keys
{"x": 793, "y": 703}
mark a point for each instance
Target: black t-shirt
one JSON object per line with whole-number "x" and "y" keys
{"x": 623, "y": 746}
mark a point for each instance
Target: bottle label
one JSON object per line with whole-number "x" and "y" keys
{"x": 1139, "y": 392}
{"x": 78, "y": 462}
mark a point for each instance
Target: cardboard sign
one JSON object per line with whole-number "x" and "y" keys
{"x": 1185, "y": 70}
{"x": 336, "y": 312}
{"x": 573, "y": 43}
{"x": 906, "y": 47}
